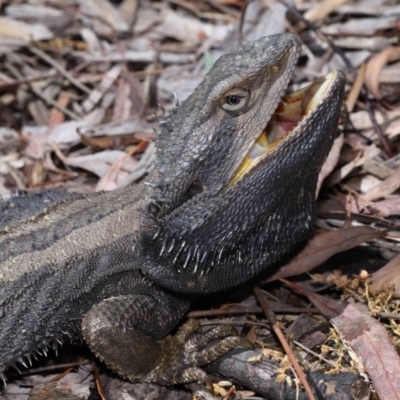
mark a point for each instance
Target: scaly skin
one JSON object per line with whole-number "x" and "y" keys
{"x": 124, "y": 265}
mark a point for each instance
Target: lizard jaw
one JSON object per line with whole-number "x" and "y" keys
{"x": 292, "y": 109}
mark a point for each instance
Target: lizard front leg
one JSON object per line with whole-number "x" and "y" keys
{"x": 118, "y": 332}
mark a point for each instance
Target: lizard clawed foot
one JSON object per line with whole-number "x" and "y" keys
{"x": 186, "y": 352}
{"x": 113, "y": 331}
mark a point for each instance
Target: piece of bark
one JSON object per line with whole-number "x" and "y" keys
{"x": 342, "y": 386}
{"x": 260, "y": 377}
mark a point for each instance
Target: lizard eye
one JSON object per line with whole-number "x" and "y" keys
{"x": 236, "y": 100}
{"x": 233, "y": 100}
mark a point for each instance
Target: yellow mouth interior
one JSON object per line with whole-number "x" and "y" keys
{"x": 292, "y": 109}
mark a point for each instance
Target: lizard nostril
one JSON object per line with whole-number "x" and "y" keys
{"x": 194, "y": 189}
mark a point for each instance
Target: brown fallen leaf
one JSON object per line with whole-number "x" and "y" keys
{"x": 386, "y": 187}
{"x": 136, "y": 95}
{"x": 122, "y": 103}
{"x": 103, "y": 17}
{"x": 325, "y": 245}
{"x": 111, "y": 142}
{"x": 322, "y": 9}
{"x": 360, "y": 26}
{"x": 362, "y": 183}
{"x": 189, "y": 30}
{"x": 40, "y": 138}
{"x": 329, "y": 308}
{"x": 356, "y": 88}
{"x": 56, "y": 116}
{"x": 386, "y": 208}
{"x": 369, "y": 152}
{"x": 100, "y": 163}
{"x": 374, "y": 68}
{"x": 331, "y": 161}
{"x": 361, "y": 119}
{"x": 22, "y": 31}
{"x": 113, "y": 178}
{"x": 371, "y": 347}
{"x": 106, "y": 83}
{"x": 390, "y": 73}
{"x": 387, "y": 275}
{"x": 353, "y": 203}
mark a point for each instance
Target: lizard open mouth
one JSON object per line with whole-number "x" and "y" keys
{"x": 291, "y": 111}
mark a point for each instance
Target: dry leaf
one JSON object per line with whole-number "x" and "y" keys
{"x": 188, "y": 29}
{"x": 370, "y": 343}
{"x": 129, "y": 100}
{"x": 374, "y": 67}
{"x": 390, "y": 74}
{"x": 322, "y": 9}
{"x": 375, "y": 43}
{"x": 388, "y": 275}
{"x": 369, "y": 153}
{"x": 128, "y": 126}
{"x": 377, "y": 169}
{"x": 356, "y": 88}
{"x": 56, "y": 116}
{"x": 105, "y": 84}
{"x": 99, "y": 163}
{"x": 26, "y": 32}
{"x": 362, "y": 120}
{"x": 263, "y": 19}
{"x": 331, "y": 161}
{"x": 386, "y": 187}
{"x": 39, "y": 138}
{"x": 8, "y": 138}
{"x": 361, "y": 26}
{"x": 147, "y": 17}
{"x": 329, "y": 308}
{"x": 323, "y": 246}
{"x": 103, "y": 16}
{"x": 386, "y": 208}
{"x": 363, "y": 183}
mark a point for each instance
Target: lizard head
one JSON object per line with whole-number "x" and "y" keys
{"x": 236, "y": 171}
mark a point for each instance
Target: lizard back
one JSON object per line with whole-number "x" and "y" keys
{"x": 52, "y": 262}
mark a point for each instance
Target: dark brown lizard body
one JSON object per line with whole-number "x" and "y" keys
{"x": 222, "y": 206}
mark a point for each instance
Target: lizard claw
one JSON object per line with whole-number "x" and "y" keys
{"x": 131, "y": 352}
{"x": 185, "y": 353}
